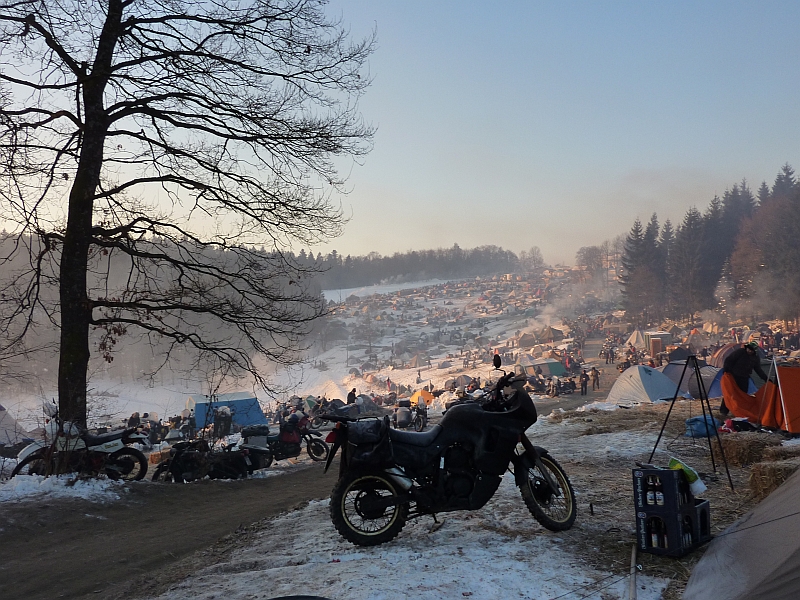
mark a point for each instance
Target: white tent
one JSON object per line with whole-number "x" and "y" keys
{"x": 10, "y": 431}
{"x": 636, "y": 339}
{"x": 642, "y": 384}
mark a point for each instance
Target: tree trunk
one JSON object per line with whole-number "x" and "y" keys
{"x": 76, "y": 308}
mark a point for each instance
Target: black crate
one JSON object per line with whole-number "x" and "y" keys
{"x": 674, "y": 533}
{"x": 675, "y": 488}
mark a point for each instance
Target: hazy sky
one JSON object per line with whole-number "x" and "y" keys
{"x": 557, "y": 123}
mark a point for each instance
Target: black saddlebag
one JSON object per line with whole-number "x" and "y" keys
{"x": 369, "y": 443}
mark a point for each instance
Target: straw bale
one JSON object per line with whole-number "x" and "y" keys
{"x": 781, "y": 453}
{"x": 765, "y": 477}
{"x": 746, "y": 448}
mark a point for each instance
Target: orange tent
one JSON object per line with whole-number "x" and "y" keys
{"x": 776, "y": 406}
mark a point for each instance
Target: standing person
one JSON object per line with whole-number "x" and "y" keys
{"x": 351, "y": 397}
{"x": 739, "y": 365}
{"x": 595, "y": 376}
{"x": 584, "y": 379}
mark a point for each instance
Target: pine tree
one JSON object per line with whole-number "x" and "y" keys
{"x": 785, "y": 183}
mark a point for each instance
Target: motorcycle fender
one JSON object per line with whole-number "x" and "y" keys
{"x": 108, "y": 447}
{"x": 523, "y": 462}
{"x": 29, "y": 449}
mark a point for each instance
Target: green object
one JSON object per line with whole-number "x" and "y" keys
{"x": 677, "y": 465}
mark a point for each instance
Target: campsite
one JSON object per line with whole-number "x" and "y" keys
{"x": 598, "y": 438}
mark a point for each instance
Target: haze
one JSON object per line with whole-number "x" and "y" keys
{"x": 556, "y": 124}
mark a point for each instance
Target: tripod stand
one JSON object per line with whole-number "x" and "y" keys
{"x": 704, "y": 403}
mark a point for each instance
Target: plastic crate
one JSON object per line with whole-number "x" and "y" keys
{"x": 674, "y": 533}
{"x": 674, "y": 488}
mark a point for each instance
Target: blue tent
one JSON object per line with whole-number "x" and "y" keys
{"x": 244, "y": 407}
{"x": 715, "y": 389}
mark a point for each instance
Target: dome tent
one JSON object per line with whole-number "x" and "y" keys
{"x": 642, "y": 384}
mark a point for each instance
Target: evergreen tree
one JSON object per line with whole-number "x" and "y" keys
{"x": 686, "y": 266}
{"x": 763, "y": 194}
{"x": 785, "y": 183}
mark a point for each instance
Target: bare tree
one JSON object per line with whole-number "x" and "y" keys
{"x": 148, "y": 147}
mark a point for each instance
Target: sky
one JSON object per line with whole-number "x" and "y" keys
{"x": 556, "y": 124}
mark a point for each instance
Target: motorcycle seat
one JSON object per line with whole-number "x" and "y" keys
{"x": 96, "y": 440}
{"x": 412, "y": 438}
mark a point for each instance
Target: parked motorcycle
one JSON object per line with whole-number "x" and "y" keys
{"x": 264, "y": 447}
{"x": 405, "y": 416}
{"x": 68, "y": 448}
{"x": 194, "y": 459}
{"x": 387, "y": 476}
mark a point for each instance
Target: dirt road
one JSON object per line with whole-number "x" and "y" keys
{"x": 156, "y": 536}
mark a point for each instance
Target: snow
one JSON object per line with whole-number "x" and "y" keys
{"x": 27, "y": 487}
{"x": 497, "y": 552}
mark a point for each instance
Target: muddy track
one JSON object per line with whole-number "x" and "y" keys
{"x": 155, "y": 536}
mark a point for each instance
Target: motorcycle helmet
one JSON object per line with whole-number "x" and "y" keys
{"x": 752, "y": 345}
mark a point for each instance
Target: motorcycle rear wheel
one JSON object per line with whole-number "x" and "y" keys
{"x": 556, "y": 513}
{"x": 356, "y": 511}
{"x": 126, "y": 464}
{"x": 317, "y": 449}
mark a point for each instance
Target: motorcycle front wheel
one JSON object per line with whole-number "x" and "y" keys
{"x": 317, "y": 449}
{"x": 316, "y": 423}
{"x": 555, "y": 512}
{"x": 163, "y": 474}
{"x": 127, "y": 464}
{"x": 34, "y": 464}
{"x": 362, "y": 508}
{"x": 419, "y": 424}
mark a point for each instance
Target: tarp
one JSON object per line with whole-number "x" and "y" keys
{"x": 245, "y": 409}
{"x": 10, "y": 431}
{"x": 636, "y": 339}
{"x": 642, "y": 384}
{"x": 674, "y": 370}
{"x": 756, "y": 558}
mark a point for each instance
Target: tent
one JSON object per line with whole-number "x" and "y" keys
{"x": 526, "y": 340}
{"x": 464, "y": 380}
{"x": 10, "y": 431}
{"x": 680, "y": 353}
{"x": 636, "y": 339}
{"x": 756, "y": 558}
{"x": 550, "y": 367}
{"x": 718, "y": 358}
{"x": 245, "y": 408}
{"x": 445, "y": 364}
{"x": 417, "y": 361}
{"x": 714, "y": 390}
{"x": 423, "y": 395}
{"x": 674, "y": 370}
{"x": 642, "y": 384}
{"x": 696, "y": 340}
{"x": 551, "y": 335}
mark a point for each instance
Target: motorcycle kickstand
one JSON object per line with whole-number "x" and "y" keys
{"x": 437, "y": 524}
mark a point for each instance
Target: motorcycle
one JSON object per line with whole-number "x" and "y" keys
{"x": 264, "y": 447}
{"x": 405, "y": 416}
{"x": 387, "y": 476}
{"x": 194, "y": 459}
{"x": 70, "y": 448}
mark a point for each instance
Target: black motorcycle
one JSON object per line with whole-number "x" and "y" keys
{"x": 406, "y": 416}
{"x": 194, "y": 459}
{"x": 264, "y": 447}
{"x": 387, "y": 476}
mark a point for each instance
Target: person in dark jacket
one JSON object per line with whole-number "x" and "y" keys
{"x": 740, "y": 364}
{"x": 351, "y": 397}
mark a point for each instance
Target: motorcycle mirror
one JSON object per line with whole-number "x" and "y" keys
{"x": 496, "y": 361}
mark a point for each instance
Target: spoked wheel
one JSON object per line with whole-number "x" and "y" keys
{"x": 419, "y": 424}
{"x": 316, "y": 423}
{"x": 364, "y": 508}
{"x": 555, "y": 512}
{"x": 34, "y": 464}
{"x": 127, "y": 464}
{"x": 317, "y": 449}
{"x": 163, "y": 474}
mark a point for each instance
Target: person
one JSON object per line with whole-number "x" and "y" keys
{"x": 584, "y": 379}
{"x": 351, "y": 397}
{"x": 134, "y": 420}
{"x": 740, "y": 364}
{"x": 538, "y": 370}
{"x": 595, "y": 376}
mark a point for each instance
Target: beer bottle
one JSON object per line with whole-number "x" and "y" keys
{"x": 651, "y": 490}
{"x": 659, "y": 492}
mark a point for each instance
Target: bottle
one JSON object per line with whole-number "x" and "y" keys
{"x": 651, "y": 491}
{"x": 659, "y": 492}
{"x": 687, "y": 531}
{"x": 655, "y": 532}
